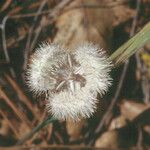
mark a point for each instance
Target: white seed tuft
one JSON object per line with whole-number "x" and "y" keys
{"x": 71, "y": 79}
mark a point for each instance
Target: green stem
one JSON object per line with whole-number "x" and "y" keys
{"x": 36, "y": 129}
{"x": 131, "y": 46}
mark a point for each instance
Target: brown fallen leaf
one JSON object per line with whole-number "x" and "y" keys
{"x": 122, "y": 14}
{"x": 125, "y": 137}
{"x": 5, "y": 128}
{"x": 147, "y": 129}
{"x": 131, "y": 109}
{"x": 137, "y": 112}
{"x": 76, "y": 26}
{"x": 118, "y": 122}
{"x": 74, "y": 129}
{"x": 108, "y": 140}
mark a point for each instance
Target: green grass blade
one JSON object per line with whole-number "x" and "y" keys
{"x": 131, "y": 46}
{"x": 35, "y": 130}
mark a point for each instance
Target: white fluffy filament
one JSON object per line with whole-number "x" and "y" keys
{"x": 72, "y": 79}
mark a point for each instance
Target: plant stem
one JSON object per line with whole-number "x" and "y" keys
{"x": 36, "y": 129}
{"x": 131, "y": 46}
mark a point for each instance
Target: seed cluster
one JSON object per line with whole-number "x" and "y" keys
{"x": 72, "y": 79}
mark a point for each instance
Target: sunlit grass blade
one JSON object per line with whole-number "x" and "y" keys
{"x": 131, "y": 46}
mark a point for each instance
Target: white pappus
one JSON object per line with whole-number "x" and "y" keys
{"x": 72, "y": 79}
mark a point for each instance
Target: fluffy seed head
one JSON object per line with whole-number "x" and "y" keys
{"x": 71, "y": 79}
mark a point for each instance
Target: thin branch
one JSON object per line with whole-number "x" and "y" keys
{"x": 4, "y": 44}
{"x": 139, "y": 144}
{"x": 52, "y": 16}
{"x": 19, "y": 113}
{"x": 9, "y": 123}
{"x": 28, "y": 43}
{"x": 4, "y": 38}
{"x": 22, "y": 96}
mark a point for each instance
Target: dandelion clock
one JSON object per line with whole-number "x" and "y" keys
{"x": 70, "y": 80}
